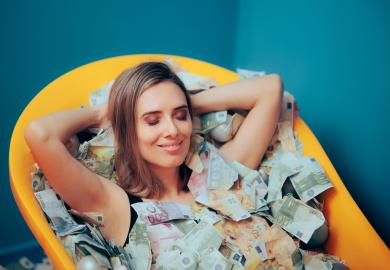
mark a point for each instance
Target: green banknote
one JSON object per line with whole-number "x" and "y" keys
{"x": 296, "y": 217}
{"x": 311, "y": 181}
{"x": 212, "y": 120}
{"x": 139, "y": 247}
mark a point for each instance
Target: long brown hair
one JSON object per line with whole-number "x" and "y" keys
{"x": 133, "y": 173}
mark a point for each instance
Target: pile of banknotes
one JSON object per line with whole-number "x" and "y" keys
{"x": 242, "y": 218}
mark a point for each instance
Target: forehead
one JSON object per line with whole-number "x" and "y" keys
{"x": 160, "y": 97}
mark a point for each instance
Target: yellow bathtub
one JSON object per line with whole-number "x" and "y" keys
{"x": 352, "y": 238}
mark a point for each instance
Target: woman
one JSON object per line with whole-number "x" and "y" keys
{"x": 151, "y": 115}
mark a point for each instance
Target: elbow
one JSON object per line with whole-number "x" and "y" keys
{"x": 34, "y": 134}
{"x": 276, "y": 88}
{"x": 271, "y": 89}
{"x": 277, "y": 95}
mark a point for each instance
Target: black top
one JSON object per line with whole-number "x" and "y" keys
{"x": 133, "y": 213}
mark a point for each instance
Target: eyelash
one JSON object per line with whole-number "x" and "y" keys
{"x": 182, "y": 117}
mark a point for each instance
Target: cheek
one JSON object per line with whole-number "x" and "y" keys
{"x": 187, "y": 132}
{"x": 186, "y": 128}
{"x": 146, "y": 136}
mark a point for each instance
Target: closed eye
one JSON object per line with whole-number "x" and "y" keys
{"x": 182, "y": 115}
{"x": 152, "y": 118}
{"x": 152, "y": 121}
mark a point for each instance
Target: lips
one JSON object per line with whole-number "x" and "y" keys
{"x": 171, "y": 147}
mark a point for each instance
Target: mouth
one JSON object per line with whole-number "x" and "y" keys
{"x": 171, "y": 147}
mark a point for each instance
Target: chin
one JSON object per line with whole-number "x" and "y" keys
{"x": 172, "y": 163}
{"x": 166, "y": 161}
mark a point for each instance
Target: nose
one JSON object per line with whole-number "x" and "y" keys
{"x": 171, "y": 128}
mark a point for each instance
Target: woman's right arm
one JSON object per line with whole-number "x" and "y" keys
{"x": 79, "y": 187}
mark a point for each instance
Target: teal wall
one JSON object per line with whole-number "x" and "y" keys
{"x": 41, "y": 40}
{"x": 332, "y": 55}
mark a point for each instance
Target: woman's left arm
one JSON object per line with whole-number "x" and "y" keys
{"x": 262, "y": 97}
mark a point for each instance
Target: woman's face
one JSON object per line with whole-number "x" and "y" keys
{"x": 164, "y": 125}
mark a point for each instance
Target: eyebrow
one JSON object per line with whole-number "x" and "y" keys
{"x": 175, "y": 109}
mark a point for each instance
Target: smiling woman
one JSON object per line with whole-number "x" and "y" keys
{"x": 151, "y": 100}
{"x": 83, "y": 190}
{"x": 151, "y": 115}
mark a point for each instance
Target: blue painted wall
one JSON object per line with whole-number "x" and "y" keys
{"x": 41, "y": 40}
{"x": 334, "y": 56}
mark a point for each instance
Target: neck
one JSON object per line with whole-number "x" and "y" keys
{"x": 170, "y": 178}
